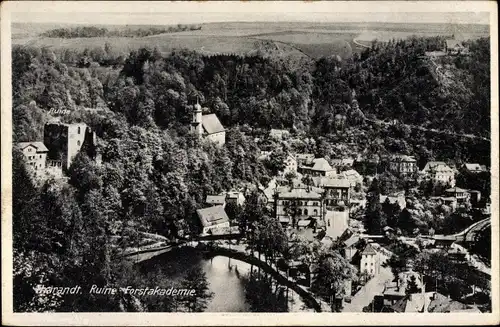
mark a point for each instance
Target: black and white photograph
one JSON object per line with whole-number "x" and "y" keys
{"x": 251, "y": 157}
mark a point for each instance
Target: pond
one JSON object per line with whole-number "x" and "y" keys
{"x": 225, "y": 283}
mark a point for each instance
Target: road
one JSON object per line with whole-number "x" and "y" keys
{"x": 430, "y": 130}
{"x": 365, "y": 295}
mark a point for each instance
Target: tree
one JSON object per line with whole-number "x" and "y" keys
{"x": 195, "y": 279}
{"x": 330, "y": 275}
{"x": 412, "y": 286}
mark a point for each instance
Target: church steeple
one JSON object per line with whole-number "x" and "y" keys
{"x": 196, "y": 124}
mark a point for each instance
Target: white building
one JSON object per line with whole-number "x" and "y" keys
{"x": 370, "y": 261}
{"x": 36, "y": 156}
{"x": 213, "y": 218}
{"x": 208, "y": 126}
{"x": 439, "y": 172}
{"x": 336, "y": 223}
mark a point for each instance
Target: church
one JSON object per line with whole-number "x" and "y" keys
{"x": 208, "y": 126}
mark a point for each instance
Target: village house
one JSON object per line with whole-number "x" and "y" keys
{"x": 352, "y": 176}
{"x": 216, "y": 200}
{"x": 304, "y": 159}
{"x": 213, "y": 218}
{"x": 430, "y": 302}
{"x": 403, "y": 165}
{"x": 344, "y": 162}
{"x": 336, "y": 223}
{"x": 439, "y": 172}
{"x": 370, "y": 261}
{"x": 461, "y": 195}
{"x": 235, "y": 197}
{"x": 474, "y": 168}
{"x": 290, "y": 165}
{"x": 336, "y": 191}
{"x": 298, "y": 203}
{"x": 208, "y": 126}
{"x": 36, "y": 156}
{"x": 279, "y": 134}
{"x": 454, "y": 47}
{"x": 319, "y": 167}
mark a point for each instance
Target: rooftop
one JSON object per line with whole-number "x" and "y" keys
{"x": 215, "y": 199}
{"x": 335, "y": 182}
{"x": 402, "y": 157}
{"x": 321, "y": 164}
{"x": 39, "y": 146}
{"x": 455, "y": 190}
{"x": 212, "y": 216}
{"x": 211, "y": 124}
{"x": 369, "y": 250}
{"x": 298, "y": 193}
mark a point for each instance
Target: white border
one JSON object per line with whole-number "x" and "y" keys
{"x": 205, "y": 319}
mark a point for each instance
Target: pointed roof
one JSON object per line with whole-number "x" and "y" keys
{"x": 39, "y": 146}
{"x": 321, "y": 164}
{"x": 369, "y": 250}
{"x": 211, "y": 124}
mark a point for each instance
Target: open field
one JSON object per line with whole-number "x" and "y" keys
{"x": 297, "y": 39}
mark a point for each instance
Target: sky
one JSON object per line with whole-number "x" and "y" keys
{"x": 165, "y": 13}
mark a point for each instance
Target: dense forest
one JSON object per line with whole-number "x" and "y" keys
{"x": 91, "y": 31}
{"x": 155, "y": 174}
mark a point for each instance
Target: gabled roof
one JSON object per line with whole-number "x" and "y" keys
{"x": 343, "y": 162}
{"x": 211, "y": 124}
{"x": 39, "y": 146}
{"x": 335, "y": 182}
{"x": 212, "y": 216}
{"x": 215, "y": 199}
{"x": 434, "y": 164}
{"x": 321, "y": 164}
{"x": 369, "y": 250}
{"x": 351, "y": 240}
{"x": 475, "y": 167}
{"x": 403, "y": 158}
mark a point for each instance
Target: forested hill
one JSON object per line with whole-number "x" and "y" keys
{"x": 393, "y": 80}
{"x": 91, "y": 31}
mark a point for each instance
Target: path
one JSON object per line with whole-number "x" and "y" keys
{"x": 430, "y": 130}
{"x": 360, "y": 44}
{"x": 365, "y": 295}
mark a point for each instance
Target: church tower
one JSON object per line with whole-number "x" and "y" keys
{"x": 196, "y": 124}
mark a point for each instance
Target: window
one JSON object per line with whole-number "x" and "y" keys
{"x": 78, "y": 130}
{"x": 40, "y": 156}
{"x": 299, "y": 211}
{"x": 29, "y": 149}
{"x": 78, "y": 142}
{"x": 372, "y": 263}
{"x": 366, "y": 263}
{"x": 315, "y": 212}
{"x": 305, "y": 212}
